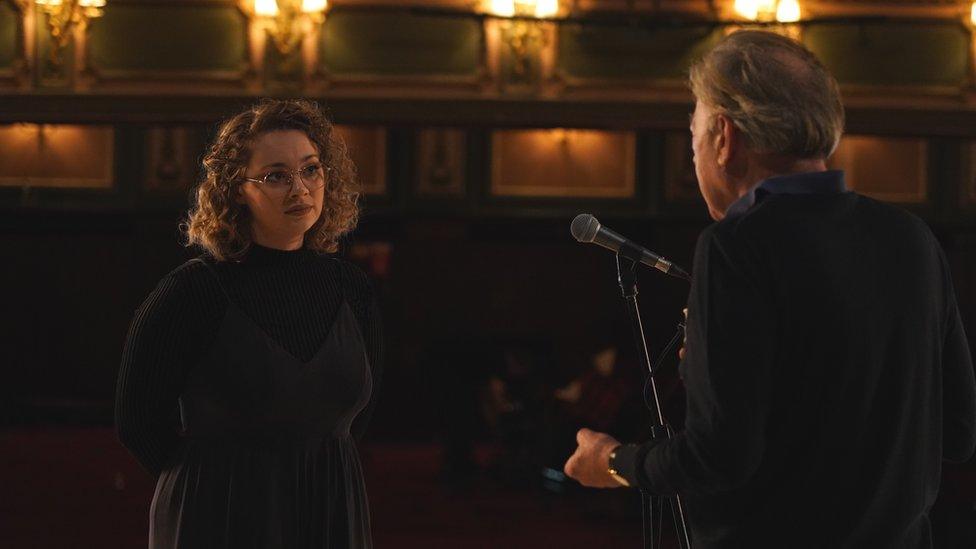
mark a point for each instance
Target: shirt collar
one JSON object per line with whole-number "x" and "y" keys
{"x": 826, "y": 182}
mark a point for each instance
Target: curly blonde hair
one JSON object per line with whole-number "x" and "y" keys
{"x": 219, "y": 225}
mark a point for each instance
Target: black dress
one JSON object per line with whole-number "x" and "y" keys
{"x": 265, "y": 456}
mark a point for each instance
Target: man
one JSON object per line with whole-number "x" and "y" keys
{"x": 826, "y": 368}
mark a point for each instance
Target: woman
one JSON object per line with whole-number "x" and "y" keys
{"x": 248, "y": 371}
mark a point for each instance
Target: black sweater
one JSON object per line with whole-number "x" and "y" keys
{"x": 294, "y": 296}
{"x": 827, "y": 377}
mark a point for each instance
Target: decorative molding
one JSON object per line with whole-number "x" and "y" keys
{"x": 441, "y": 155}
{"x": 19, "y": 74}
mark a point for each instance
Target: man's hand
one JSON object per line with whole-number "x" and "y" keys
{"x": 590, "y": 462}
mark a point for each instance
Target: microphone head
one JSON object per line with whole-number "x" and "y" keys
{"x": 584, "y": 227}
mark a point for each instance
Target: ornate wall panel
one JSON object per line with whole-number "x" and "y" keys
{"x": 889, "y": 169}
{"x": 12, "y": 58}
{"x": 42, "y": 155}
{"x": 173, "y": 158}
{"x": 441, "y": 155}
{"x": 607, "y": 55}
{"x": 563, "y": 163}
{"x": 390, "y": 47}
{"x": 189, "y": 43}
{"x": 9, "y": 32}
{"x": 933, "y": 56}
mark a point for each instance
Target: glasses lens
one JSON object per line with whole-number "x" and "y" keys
{"x": 313, "y": 175}
{"x": 278, "y": 180}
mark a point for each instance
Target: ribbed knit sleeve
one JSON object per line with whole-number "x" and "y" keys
{"x": 362, "y": 300}
{"x": 164, "y": 340}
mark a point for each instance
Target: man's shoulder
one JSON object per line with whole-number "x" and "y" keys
{"x": 776, "y": 210}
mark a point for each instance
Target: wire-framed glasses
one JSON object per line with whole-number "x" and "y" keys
{"x": 313, "y": 176}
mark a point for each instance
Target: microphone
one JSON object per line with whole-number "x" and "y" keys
{"x": 586, "y": 228}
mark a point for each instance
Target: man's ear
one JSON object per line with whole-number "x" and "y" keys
{"x": 726, "y": 139}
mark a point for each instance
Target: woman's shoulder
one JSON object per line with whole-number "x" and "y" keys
{"x": 193, "y": 281}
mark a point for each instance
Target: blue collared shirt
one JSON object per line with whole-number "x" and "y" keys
{"x": 826, "y": 182}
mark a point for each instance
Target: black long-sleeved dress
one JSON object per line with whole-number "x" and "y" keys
{"x": 243, "y": 387}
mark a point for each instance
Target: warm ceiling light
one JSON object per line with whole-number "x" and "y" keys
{"x": 972, "y": 13}
{"x": 503, "y": 8}
{"x": 755, "y": 9}
{"x": 91, "y": 3}
{"x": 314, "y": 6}
{"x": 788, "y": 11}
{"x": 546, "y": 8}
{"x": 266, "y": 8}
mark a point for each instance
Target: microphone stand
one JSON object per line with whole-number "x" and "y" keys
{"x": 628, "y": 257}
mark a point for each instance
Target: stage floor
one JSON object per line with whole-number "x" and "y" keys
{"x": 77, "y": 487}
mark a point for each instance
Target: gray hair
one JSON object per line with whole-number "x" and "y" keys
{"x": 775, "y": 91}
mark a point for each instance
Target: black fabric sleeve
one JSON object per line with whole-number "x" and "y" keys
{"x": 155, "y": 361}
{"x": 726, "y": 375}
{"x": 366, "y": 309}
{"x": 958, "y": 386}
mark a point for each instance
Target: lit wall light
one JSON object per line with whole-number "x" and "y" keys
{"x": 782, "y": 11}
{"x": 972, "y": 14}
{"x": 788, "y": 11}
{"x": 540, "y": 9}
{"x": 285, "y": 20}
{"x": 524, "y": 37}
{"x": 63, "y": 16}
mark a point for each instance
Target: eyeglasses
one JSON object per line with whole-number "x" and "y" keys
{"x": 312, "y": 176}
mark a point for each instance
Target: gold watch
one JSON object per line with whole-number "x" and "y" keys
{"x": 613, "y": 472}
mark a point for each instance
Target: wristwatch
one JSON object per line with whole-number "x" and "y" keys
{"x": 611, "y": 468}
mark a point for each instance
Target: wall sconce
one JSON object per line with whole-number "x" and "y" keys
{"x": 524, "y": 33}
{"x": 767, "y": 11}
{"x": 288, "y": 21}
{"x": 63, "y": 17}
